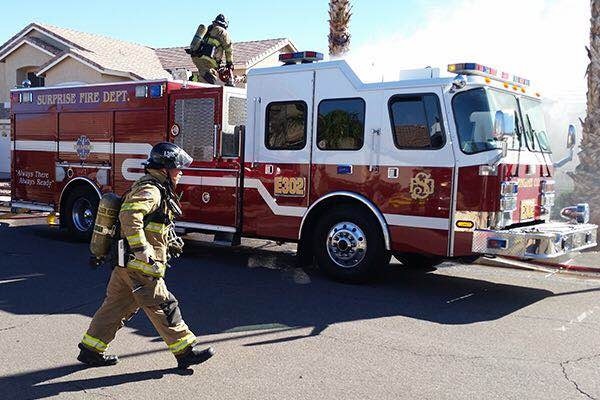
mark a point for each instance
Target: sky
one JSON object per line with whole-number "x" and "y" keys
{"x": 542, "y": 40}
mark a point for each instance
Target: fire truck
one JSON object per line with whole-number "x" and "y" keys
{"x": 425, "y": 168}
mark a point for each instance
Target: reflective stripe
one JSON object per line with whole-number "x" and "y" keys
{"x": 136, "y": 206}
{"x": 155, "y": 227}
{"x": 94, "y": 343}
{"x": 157, "y": 270}
{"x": 213, "y": 42}
{"x": 182, "y": 343}
{"x": 137, "y": 239}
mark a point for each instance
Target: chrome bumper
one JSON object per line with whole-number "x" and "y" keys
{"x": 548, "y": 240}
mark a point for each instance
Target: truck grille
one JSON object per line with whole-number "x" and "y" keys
{"x": 195, "y": 118}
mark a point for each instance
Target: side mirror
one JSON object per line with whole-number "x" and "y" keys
{"x": 504, "y": 124}
{"x": 571, "y": 137}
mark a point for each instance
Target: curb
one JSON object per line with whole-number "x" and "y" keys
{"x": 22, "y": 216}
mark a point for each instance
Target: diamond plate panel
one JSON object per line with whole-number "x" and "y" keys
{"x": 547, "y": 240}
{"x": 237, "y": 111}
{"x": 195, "y": 118}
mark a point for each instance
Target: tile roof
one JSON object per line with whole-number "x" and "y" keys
{"x": 44, "y": 45}
{"x": 106, "y": 54}
{"x": 113, "y": 54}
{"x": 245, "y": 54}
{"x": 118, "y": 57}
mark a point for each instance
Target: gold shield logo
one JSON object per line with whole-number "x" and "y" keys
{"x": 421, "y": 186}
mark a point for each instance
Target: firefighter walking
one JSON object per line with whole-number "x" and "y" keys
{"x": 207, "y": 49}
{"x": 146, "y": 216}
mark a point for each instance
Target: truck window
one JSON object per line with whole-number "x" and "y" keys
{"x": 416, "y": 122}
{"x": 341, "y": 124}
{"x": 535, "y": 127}
{"x": 286, "y": 125}
{"x": 474, "y": 114}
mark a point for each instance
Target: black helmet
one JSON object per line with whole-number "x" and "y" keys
{"x": 221, "y": 21}
{"x": 169, "y": 156}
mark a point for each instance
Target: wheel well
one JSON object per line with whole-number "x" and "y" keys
{"x": 321, "y": 207}
{"x": 71, "y": 186}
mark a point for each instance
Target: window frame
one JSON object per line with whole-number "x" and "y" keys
{"x": 417, "y": 95}
{"x": 305, "y": 134}
{"x": 364, "y": 124}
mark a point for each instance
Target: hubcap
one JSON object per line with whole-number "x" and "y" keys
{"x": 346, "y": 244}
{"x": 83, "y": 214}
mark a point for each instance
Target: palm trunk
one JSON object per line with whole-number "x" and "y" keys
{"x": 586, "y": 176}
{"x": 339, "y": 21}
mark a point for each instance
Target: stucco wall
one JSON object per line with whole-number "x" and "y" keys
{"x": 70, "y": 70}
{"x": 24, "y": 56}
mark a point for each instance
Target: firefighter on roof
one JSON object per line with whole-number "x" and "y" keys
{"x": 207, "y": 49}
{"x": 146, "y": 217}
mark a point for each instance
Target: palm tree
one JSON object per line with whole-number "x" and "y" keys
{"x": 586, "y": 177}
{"x": 339, "y": 20}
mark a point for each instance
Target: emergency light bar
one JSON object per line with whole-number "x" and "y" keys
{"x": 301, "y": 56}
{"x": 488, "y": 72}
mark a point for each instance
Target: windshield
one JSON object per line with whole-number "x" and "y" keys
{"x": 535, "y": 127}
{"x": 475, "y": 111}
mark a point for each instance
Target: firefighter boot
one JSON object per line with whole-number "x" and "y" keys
{"x": 94, "y": 359}
{"x": 193, "y": 356}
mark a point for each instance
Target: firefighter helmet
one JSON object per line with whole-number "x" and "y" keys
{"x": 169, "y": 156}
{"x": 221, "y": 20}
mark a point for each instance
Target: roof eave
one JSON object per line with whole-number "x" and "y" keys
{"x": 17, "y": 46}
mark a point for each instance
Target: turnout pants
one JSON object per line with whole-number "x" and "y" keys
{"x": 128, "y": 291}
{"x": 207, "y": 70}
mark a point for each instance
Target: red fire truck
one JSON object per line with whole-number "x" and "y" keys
{"x": 425, "y": 168}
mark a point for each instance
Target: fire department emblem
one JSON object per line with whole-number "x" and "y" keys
{"x": 421, "y": 186}
{"x": 83, "y": 147}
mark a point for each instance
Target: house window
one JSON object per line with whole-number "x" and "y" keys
{"x": 36, "y": 81}
{"x": 416, "y": 122}
{"x": 286, "y": 125}
{"x": 341, "y": 124}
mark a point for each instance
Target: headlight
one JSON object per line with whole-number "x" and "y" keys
{"x": 547, "y": 199}
{"x": 509, "y": 188}
{"x": 508, "y": 203}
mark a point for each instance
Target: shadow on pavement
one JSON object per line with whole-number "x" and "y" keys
{"x": 232, "y": 290}
{"x": 35, "y": 388}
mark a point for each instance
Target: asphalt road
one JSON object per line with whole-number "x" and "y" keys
{"x": 459, "y": 332}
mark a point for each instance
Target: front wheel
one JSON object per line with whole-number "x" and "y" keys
{"x": 80, "y": 213}
{"x": 348, "y": 245}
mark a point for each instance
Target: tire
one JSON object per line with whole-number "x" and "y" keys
{"x": 80, "y": 213}
{"x": 348, "y": 245}
{"x": 419, "y": 261}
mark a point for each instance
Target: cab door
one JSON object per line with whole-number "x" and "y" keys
{"x": 279, "y": 152}
{"x": 210, "y": 185}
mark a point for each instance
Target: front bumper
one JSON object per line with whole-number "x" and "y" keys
{"x": 543, "y": 241}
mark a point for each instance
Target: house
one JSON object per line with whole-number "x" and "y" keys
{"x": 48, "y": 55}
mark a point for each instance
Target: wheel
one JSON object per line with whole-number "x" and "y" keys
{"x": 348, "y": 245}
{"x": 80, "y": 212}
{"x": 418, "y": 261}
